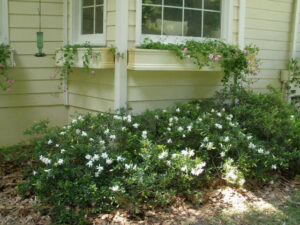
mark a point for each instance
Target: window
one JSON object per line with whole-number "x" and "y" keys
{"x": 178, "y": 20}
{"x": 88, "y": 21}
{"x": 3, "y": 22}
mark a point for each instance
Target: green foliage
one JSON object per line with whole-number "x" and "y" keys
{"x": 98, "y": 163}
{"x": 5, "y": 54}
{"x": 294, "y": 81}
{"x": 236, "y": 63}
{"x": 68, "y": 57}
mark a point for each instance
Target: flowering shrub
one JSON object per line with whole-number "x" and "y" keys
{"x": 237, "y": 63}
{"x": 98, "y": 163}
{"x": 5, "y": 54}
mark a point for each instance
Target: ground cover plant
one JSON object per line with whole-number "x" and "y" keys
{"x": 99, "y": 163}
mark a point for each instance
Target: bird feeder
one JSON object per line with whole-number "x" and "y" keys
{"x": 40, "y": 35}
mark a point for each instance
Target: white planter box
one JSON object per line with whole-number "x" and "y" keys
{"x": 103, "y": 61}
{"x": 163, "y": 60}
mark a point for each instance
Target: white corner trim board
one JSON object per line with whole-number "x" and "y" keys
{"x": 121, "y": 42}
{"x": 242, "y": 20}
{"x": 4, "y": 34}
{"x": 295, "y": 29}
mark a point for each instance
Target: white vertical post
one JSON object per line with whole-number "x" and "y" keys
{"x": 121, "y": 42}
{"x": 295, "y": 29}
{"x": 65, "y": 18}
{"x": 242, "y": 19}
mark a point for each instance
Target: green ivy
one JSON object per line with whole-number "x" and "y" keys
{"x": 5, "y": 54}
{"x": 237, "y": 64}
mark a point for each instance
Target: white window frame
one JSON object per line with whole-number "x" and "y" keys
{"x": 226, "y": 26}
{"x": 4, "y": 35}
{"x": 76, "y": 37}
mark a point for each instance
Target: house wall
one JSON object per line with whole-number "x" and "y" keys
{"x": 33, "y": 96}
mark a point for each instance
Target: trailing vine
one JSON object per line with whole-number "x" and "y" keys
{"x": 5, "y": 62}
{"x": 294, "y": 80}
{"x": 67, "y": 60}
{"x": 236, "y": 63}
{"x": 116, "y": 54}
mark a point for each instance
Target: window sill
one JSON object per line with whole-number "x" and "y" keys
{"x": 104, "y": 61}
{"x": 162, "y": 60}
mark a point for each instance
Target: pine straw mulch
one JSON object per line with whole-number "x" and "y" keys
{"x": 14, "y": 210}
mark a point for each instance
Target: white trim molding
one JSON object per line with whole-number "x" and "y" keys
{"x": 121, "y": 42}
{"x": 295, "y": 25}
{"x": 242, "y": 21}
{"x": 75, "y": 26}
{"x": 226, "y": 26}
{"x": 4, "y": 34}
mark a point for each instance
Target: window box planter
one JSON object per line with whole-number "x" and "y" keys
{"x": 11, "y": 60}
{"x": 104, "y": 59}
{"x": 163, "y": 60}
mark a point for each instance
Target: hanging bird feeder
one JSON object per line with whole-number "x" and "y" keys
{"x": 39, "y": 35}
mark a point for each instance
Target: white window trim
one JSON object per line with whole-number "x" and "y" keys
{"x": 226, "y": 26}
{"x": 4, "y": 35}
{"x": 75, "y": 27}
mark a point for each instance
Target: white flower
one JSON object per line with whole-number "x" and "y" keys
{"x": 99, "y": 168}
{"x": 260, "y": 150}
{"x": 117, "y": 117}
{"x": 189, "y": 128}
{"x": 180, "y": 129}
{"x": 171, "y": 120}
{"x": 164, "y": 111}
{"x": 205, "y": 139}
{"x": 120, "y": 159}
{"x": 57, "y": 145}
{"x": 249, "y": 137}
{"x": 191, "y": 153}
{"x": 123, "y": 128}
{"x": 169, "y": 129}
{"x": 50, "y": 142}
{"x": 104, "y": 155}
{"x": 251, "y": 145}
{"x": 267, "y": 152}
{"x": 210, "y": 145}
{"x": 271, "y": 182}
{"x": 129, "y": 118}
{"x": 34, "y": 173}
{"x": 212, "y": 110}
{"x": 97, "y": 174}
{"x": 292, "y": 117}
{"x": 95, "y": 157}
{"x": 88, "y": 157}
{"x": 174, "y": 156}
{"x": 219, "y": 126}
{"x": 78, "y": 131}
{"x": 274, "y": 167}
{"x": 47, "y": 171}
{"x": 106, "y": 131}
{"x": 144, "y": 134}
{"x": 62, "y": 133}
{"x": 84, "y": 134}
{"x": 229, "y": 118}
{"x": 196, "y": 172}
{"x": 163, "y": 155}
{"x": 183, "y": 135}
{"x": 115, "y": 188}
{"x": 109, "y": 161}
{"x": 60, "y": 161}
{"x": 135, "y": 125}
{"x": 45, "y": 160}
{"x": 91, "y": 139}
{"x": 169, "y": 163}
{"x": 177, "y": 110}
{"x": 90, "y": 163}
{"x": 74, "y": 121}
{"x": 156, "y": 117}
{"x": 169, "y": 141}
{"x": 222, "y": 154}
{"x": 176, "y": 118}
{"x": 183, "y": 169}
{"x": 127, "y": 166}
{"x": 80, "y": 118}
{"x": 101, "y": 142}
{"x": 184, "y": 152}
{"x": 226, "y": 139}
{"x": 113, "y": 137}
{"x": 219, "y": 114}
{"x": 200, "y": 119}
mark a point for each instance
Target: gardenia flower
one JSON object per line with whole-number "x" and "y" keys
{"x": 191, "y": 153}
{"x": 169, "y": 163}
{"x": 184, "y": 152}
{"x": 78, "y": 131}
{"x": 57, "y": 145}
{"x": 84, "y": 134}
{"x": 251, "y": 145}
{"x": 200, "y": 119}
{"x": 120, "y": 159}
{"x": 210, "y": 145}
{"x": 130, "y": 166}
{"x": 62, "y": 133}
{"x": 99, "y": 168}
{"x": 205, "y": 139}
{"x": 135, "y": 125}
{"x": 95, "y": 157}
{"x": 169, "y": 141}
{"x": 104, "y": 155}
{"x": 101, "y": 142}
{"x": 60, "y": 161}
{"x": 113, "y": 137}
{"x": 62, "y": 151}
{"x": 226, "y": 139}
{"x": 292, "y": 117}
{"x": 115, "y": 188}
{"x": 267, "y": 152}
{"x": 183, "y": 169}
{"x": 88, "y": 157}
{"x": 156, "y": 117}
{"x": 34, "y": 173}
{"x": 74, "y": 121}
{"x": 169, "y": 129}
{"x": 45, "y": 160}
{"x": 222, "y": 154}
{"x": 189, "y": 128}
{"x": 80, "y": 118}
{"x": 91, "y": 139}
{"x": 260, "y": 150}
{"x": 163, "y": 155}
{"x": 50, "y": 142}
{"x": 249, "y": 137}
{"x": 117, "y": 117}
{"x": 47, "y": 171}
{"x": 144, "y": 134}
{"x": 274, "y": 167}
{"x": 231, "y": 124}
{"x": 180, "y": 129}
{"x": 174, "y": 156}
{"x": 183, "y": 135}
{"x": 219, "y": 114}
{"x": 106, "y": 131}
{"x": 219, "y": 126}
{"x": 123, "y": 128}
{"x": 109, "y": 161}
{"x": 90, "y": 163}
{"x": 177, "y": 110}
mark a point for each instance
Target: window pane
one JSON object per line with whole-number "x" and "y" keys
{"x": 212, "y": 25}
{"x": 172, "y": 21}
{"x": 212, "y": 4}
{"x": 99, "y": 2}
{"x": 193, "y": 4}
{"x": 173, "y": 2}
{"x": 151, "y": 21}
{"x": 99, "y": 20}
{"x": 157, "y": 2}
{"x": 88, "y": 20}
{"x": 192, "y": 23}
{"x": 88, "y": 2}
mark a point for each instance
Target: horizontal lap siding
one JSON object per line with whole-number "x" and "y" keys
{"x": 268, "y": 25}
{"x": 34, "y": 96}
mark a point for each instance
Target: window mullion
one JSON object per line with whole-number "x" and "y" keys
{"x": 94, "y": 23}
{"x": 182, "y": 32}
{"x": 162, "y": 17}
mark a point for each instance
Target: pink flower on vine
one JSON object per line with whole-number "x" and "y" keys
{"x": 8, "y": 89}
{"x": 93, "y": 56}
{"x": 217, "y": 59}
{"x": 57, "y": 71}
{"x": 211, "y": 56}
{"x": 64, "y": 90}
{"x": 11, "y": 82}
{"x": 93, "y": 72}
{"x": 185, "y": 49}
{"x": 245, "y": 51}
{"x": 1, "y": 65}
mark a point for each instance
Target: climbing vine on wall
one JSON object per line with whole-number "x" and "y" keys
{"x": 5, "y": 62}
